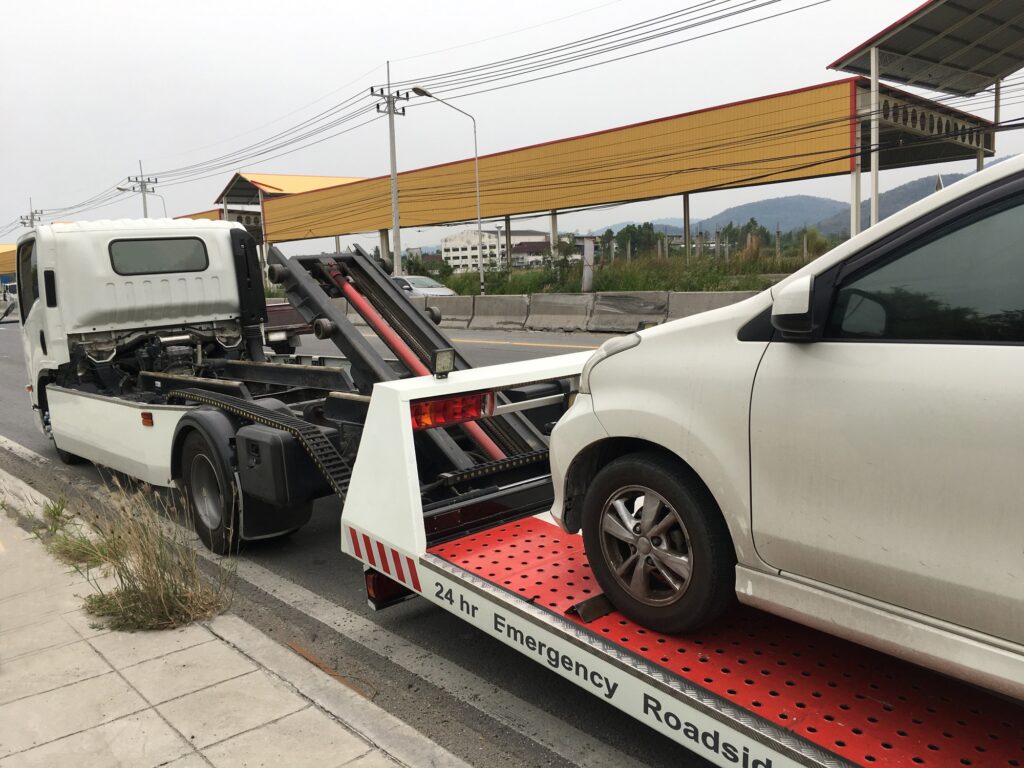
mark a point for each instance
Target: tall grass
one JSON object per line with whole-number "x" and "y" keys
{"x": 143, "y": 567}
{"x": 640, "y": 274}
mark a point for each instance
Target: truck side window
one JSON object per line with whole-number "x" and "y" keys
{"x": 152, "y": 256}
{"x": 28, "y": 277}
{"x": 966, "y": 285}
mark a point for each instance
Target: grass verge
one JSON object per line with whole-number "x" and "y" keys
{"x": 143, "y": 567}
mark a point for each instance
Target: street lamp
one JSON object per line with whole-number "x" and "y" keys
{"x": 476, "y": 166}
{"x": 145, "y": 210}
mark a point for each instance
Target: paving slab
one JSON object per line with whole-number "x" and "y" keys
{"x": 31, "y": 638}
{"x": 375, "y": 759}
{"x": 305, "y": 739}
{"x": 142, "y": 740}
{"x": 185, "y": 671}
{"x": 232, "y": 707}
{"x": 32, "y": 721}
{"x": 48, "y": 669}
{"x": 126, "y": 649}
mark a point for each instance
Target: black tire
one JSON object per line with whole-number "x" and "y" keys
{"x": 211, "y": 496}
{"x": 66, "y": 457}
{"x": 643, "y": 574}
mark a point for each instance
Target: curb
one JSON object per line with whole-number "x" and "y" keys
{"x": 360, "y": 715}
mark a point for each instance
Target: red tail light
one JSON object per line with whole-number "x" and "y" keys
{"x": 427, "y": 414}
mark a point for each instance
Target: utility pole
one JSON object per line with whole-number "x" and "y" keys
{"x": 33, "y": 216}
{"x": 142, "y": 184}
{"x": 778, "y": 242}
{"x": 390, "y": 99}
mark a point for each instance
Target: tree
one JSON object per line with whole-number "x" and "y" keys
{"x": 643, "y": 238}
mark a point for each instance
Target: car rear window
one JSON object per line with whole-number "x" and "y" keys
{"x": 149, "y": 256}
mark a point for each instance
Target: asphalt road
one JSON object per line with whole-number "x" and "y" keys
{"x": 472, "y": 694}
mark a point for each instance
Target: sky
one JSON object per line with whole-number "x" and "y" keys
{"x": 87, "y": 90}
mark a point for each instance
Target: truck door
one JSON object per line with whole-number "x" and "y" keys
{"x": 886, "y": 454}
{"x": 33, "y": 337}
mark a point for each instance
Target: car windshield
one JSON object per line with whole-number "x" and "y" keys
{"x": 418, "y": 281}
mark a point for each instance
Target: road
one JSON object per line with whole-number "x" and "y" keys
{"x": 473, "y": 695}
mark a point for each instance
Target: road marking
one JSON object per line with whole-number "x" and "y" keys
{"x": 533, "y": 723}
{"x": 22, "y": 452}
{"x": 496, "y": 342}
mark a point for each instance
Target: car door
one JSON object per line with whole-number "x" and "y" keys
{"x": 886, "y": 454}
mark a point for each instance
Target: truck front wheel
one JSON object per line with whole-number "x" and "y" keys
{"x": 657, "y": 544}
{"x": 212, "y": 497}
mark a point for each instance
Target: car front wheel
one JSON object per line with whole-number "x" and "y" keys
{"x": 657, "y": 544}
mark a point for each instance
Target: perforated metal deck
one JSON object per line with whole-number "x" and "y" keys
{"x": 864, "y": 706}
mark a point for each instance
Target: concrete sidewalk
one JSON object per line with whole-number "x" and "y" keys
{"x": 220, "y": 694}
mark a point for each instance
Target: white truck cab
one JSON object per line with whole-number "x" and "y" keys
{"x": 101, "y": 301}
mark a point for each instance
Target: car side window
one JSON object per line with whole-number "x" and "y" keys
{"x": 965, "y": 285}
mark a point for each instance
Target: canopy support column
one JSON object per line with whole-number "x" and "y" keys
{"x": 554, "y": 235}
{"x": 385, "y": 245}
{"x": 686, "y": 228}
{"x": 508, "y": 243}
{"x": 855, "y": 183}
{"x": 875, "y": 107}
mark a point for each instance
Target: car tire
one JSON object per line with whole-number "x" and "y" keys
{"x": 657, "y": 544}
{"x": 211, "y": 497}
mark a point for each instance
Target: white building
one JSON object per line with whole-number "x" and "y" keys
{"x": 460, "y": 250}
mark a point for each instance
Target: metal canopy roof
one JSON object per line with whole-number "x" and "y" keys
{"x": 244, "y": 187}
{"x": 807, "y": 133}
{"x": 959, "y": 47}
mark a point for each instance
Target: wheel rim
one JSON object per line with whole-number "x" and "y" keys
{"x": 206, "y": 494}
{"x": 646, "y": 545}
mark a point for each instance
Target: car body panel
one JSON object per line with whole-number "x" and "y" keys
{"x": 922, "y": 556}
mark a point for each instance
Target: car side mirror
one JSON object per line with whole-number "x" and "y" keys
{"x": 407, "y": 287}
{"x": 793, "y": 309}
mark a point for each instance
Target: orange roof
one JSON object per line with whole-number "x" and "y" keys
{"x": 213, "y": 214}
{"x": 273, "y": 184}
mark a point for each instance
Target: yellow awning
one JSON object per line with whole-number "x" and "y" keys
{"x": 7, "y": 251}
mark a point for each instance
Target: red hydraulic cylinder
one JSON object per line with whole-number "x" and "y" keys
{"x": 395, "y": 343}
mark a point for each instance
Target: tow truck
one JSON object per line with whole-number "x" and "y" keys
{"x": 443, "y": 481}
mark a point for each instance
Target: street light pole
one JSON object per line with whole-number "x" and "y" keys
{"x": 476, "y": 170}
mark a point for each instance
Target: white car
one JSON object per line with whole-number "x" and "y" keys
{"x": 844, "y": 450}
{"x": 420, "y": 285}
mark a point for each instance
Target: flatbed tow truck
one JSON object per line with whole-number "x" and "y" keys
{"x": 754, "y": 690}
{"x": 444, "y": 482}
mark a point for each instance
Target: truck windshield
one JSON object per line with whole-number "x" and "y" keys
{"x": 157, "y": 255}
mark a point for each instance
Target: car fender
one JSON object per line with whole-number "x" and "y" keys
{"x": 687, "y": 389}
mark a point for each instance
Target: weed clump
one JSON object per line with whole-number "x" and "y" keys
{"x": 143, "y": 567}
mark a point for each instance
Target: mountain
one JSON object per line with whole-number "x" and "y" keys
{"x": 888, "y": 203}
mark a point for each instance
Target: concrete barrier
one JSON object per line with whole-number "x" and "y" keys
{"x": 495, "y": 313}
{"x": 627, "y": 312}
{"x": 559, "y": 311}
{"x": 695, "y": 302}
{"x": 456, "y": 311}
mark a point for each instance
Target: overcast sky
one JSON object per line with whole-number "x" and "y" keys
{"x": 90, "y": 88}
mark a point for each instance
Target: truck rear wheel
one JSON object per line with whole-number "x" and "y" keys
{"x": 657, "y": 544}
{"x": 212, "y": 497}
{"x": 66, "y": 457}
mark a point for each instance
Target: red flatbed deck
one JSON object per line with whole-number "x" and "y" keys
{"x": 866, "y": 707}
